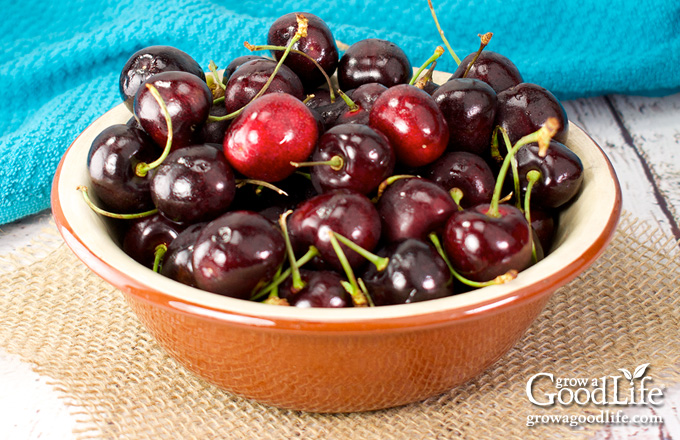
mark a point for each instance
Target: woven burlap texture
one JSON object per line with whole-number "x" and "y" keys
{"x": 79, "y": 331}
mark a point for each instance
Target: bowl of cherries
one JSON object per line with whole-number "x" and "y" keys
{"x": 329, "y": 231}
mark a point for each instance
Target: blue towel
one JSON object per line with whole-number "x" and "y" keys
{"x": 61, "y": 60}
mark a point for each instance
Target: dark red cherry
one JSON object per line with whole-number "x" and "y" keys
{"x": 149, "y": 61}
{"x": 544, "y": 225}
{"x": 467, "y": 172}
{"x": 413, "y": 208}
{"x": 366, "y": 159}
{"x": 273, "y": 131}
{"x": 363, "y": 97}
{"x": 412, "y": 122}
{"x": 319, "y": 44}
{"x": 145, "y": 234}
{"x": 469, "y": 107}
{"x": 373, "y": 60}
{"x": 415, "y": 272}
{"x": 524, "y": 108}
{"x": 346, "y": 212}
{"x": 213, "y": 131}
{"x": 481, "y": 247}
{"x": 561, "y": 174}
{"x": 236, "y": 63}
{"x": 111, "y": 163}
{"x": 323, "y": 288}
{"x": 193, "y": 184}
{"x": 491, "y": 67}
{"x": 177, "y": 261}
{"x": 188, "y": 100}
{"x": 236, "y": 253}
{"x": 249, "y": 79}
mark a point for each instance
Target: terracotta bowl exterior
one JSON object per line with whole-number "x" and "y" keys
{"x": 338, "y": 360}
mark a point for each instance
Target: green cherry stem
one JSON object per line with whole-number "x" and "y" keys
{"x": 363, "y": 288}
{"x": 485, "y": 40}
{"x": 336, "y": 163}
{"x": 353, "y": 107}
{"x": 441, "y": 34}
{"x": 513, "y": 162}
{"x": 216, "y": 76}
{"x": 387, "y": 182}
{"x": 380, "y": 263}
{"x": 427, "y": 77}
{"x": 102, "y": 212}
{"x": 437, "y": 53}
{"x": 298, "y": 282}
{"x": 533, "y": 176}
{"x": 352, "y": 287}
{"x": 158, "y": 254}
{"x": 311, "y": 253}
{"x": 219, "y": 100}
{"x": 457, "y": 195}
{"x": 143, "y": 168}
{"x": 542, "y": 136}
{"x": 240, "y": 183}
{"x": 510, "y": 275}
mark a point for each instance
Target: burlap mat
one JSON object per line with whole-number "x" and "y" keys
{"x": 75, "y": 328}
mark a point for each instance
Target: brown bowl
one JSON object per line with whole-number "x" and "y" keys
{"x": 343, "y": 360}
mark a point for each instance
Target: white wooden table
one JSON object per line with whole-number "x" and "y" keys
{"x": 641, "y": 136}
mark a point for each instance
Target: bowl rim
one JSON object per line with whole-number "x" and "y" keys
{"x": 93, "y": 249}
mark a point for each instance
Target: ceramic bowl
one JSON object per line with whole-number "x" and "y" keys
{"x": 344, "y": 360}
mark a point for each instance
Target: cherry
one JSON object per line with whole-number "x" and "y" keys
{"x": 415, "y": 272}
{"x": 468, "y": 173}
{"x": 491, "y": 67}
{"x": 111, "y": 163}
{"x": 193, "y": 184}
{"x": 236, "y": 63}
{"x": 469, "y": 107}
{"x": 524, "y": 108}
{"x": 343, "y": 211}
{"x": 413, "y": 208}
{"x": 236, "y": 253}
{"x": 351, "y": 156}
{"x": 146, "y": 234}
{"x": 212, "y": 132}
{"x": 177, "y": 261}
{"x": 323, "y": 288}
{"x": 363, "y": 98}
{"x": 150, "y": 61}
{"x": 373, "y": 60}
{"x": 249, "y": 79}
{"x": 188, "y": 100}
{"x": 561, "y": 174}
{"x": 319, "y": 44}
{"x": 270, "y": 133}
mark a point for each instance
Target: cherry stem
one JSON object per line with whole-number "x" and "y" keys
{"x": 389, "y": 181}
{"x": 102, "y": 212}
{"x": 363, "y": 288}
{"x": 143, "y": 168}
{"x": 218, "y": 100}
{"x": 158, "y": 254}
{"x": 311, "y": 253}
{"x": 307, "y": 176}
{"x": 501, "y": 279}
{"x": 485, "y": 40}
{"x": 380, "y": 263}
{"x": 358, "y": 297}
{"x": 336, "y": 163}
{"x": 533, "y": 176}
{"x": 437, "y": 53}
{"x": 542, "y": 136}
{"x": 513, "y": 163}
{"x": 301, "y": 32}
{"x": 427, "y": 77}
{"x": 308, "y": 98}
{"x": 353, "y": 107}
{"x": 441, "y": 34}
{"x": 213, "y": 69}
{"x": 457, "y": 195}
{"x": 240, "y": 183}
{"x": 298, "y": 283}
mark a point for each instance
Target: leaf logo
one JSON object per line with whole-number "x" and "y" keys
{"x": 638, "y": 373}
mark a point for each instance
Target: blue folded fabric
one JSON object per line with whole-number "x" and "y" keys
{"x": 61, "y": 60}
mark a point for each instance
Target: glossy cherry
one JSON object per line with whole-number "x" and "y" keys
{"x": 373, "y": 60}
{"x": 148, "y": 62}
{"x": 188, "y": 100}
{"x": 236, "y": 253}
{"x": 236, "y": 63}
{"x": 412, "y": 122}
{"x": 415, "y": 272}
{"x": 469, "y": 107}
{"x": 193, "y": 184}
{"x": 177, "y": 261}
{"x": 467, "y": 172}
{"x": 363, "y": 98}
{"x": 323, "y": 288}
{"x": 491, "y": 67}
{"x": 111, "y": 163}
{"x": 413, "y": 208}
{"x": 273, "y": 131}
{"x": 319, "y": 44}
{"x": 146, "y": 234}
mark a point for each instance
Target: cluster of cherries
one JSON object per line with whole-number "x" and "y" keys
{"x": 274, "y": 182}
